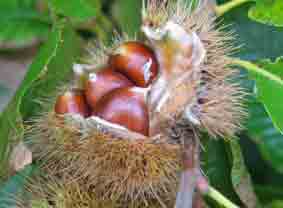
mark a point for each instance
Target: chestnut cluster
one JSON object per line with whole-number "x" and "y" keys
{"x": 117, "y": 93}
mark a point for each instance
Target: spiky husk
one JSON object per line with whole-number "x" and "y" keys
{"x": 217, "y": 103}
{"x": 53, "y": 192}
{"x": 129, "y": 171}
{"x": 133, "y": 172}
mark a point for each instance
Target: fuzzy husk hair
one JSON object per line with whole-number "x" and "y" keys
{"x": 132, "y": 169}
{"x": 93, "y": 164}
{"x": 217, "y": 99}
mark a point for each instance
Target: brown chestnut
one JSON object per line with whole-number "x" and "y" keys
{"x": 136, "y": 61}
{"x": 72, "y": 101}
{"x": 126, "y": 107}
{"x": 102, "y": 82}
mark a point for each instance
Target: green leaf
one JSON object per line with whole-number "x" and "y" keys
{"x": 14, "y": 4}
{"x": 77, "y": 10}
{"x": 13, "y": 187}
{"x": 268, "y": 78}
{"x": 50, "y": 67}
{"x": 258, "y": 41}
{"x": 268, "y": 12}
{"x": 217, "y": 167}
{"x": 21, "y": 24}
{"x": 270, "y": 100}
{"x": 240, "y": 176}
{"x": 268, "y": 139}
{"x": 128, "y": 15}
{"x": 275, "y": 204}
{"x": 55, "y": 71}
{"x": 224, "y": 165}
{"x": 273, "y": 67}
{"x": 268, "y": 193}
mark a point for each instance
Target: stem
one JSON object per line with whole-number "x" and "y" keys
{"x": 186, "y": 191}
{"x": 257, "y": 70}
{"x": 191, "y": 171}
{"x": 217, "y": 196}
{"x": 222, "y": 9}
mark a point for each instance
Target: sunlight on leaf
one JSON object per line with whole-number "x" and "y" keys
{"x": 77, "y": 10}
{"x": 268, "y": 12}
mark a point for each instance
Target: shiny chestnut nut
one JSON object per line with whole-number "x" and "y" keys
{"x": 136, "y": 61}
{"x": 126, "y": 107}
{"x": 100, "y": 83}
{"x": 72, "y": 101}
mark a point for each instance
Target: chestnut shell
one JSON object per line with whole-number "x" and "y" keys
{"x": 136, "y": 61}
{"x": 72, "y": 101}
{"x": 126, "y": 107}
{"x": 103, "y": 82}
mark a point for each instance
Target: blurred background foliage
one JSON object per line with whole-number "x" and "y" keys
{"x": 66, "y": 27}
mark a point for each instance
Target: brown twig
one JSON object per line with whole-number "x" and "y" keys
{"x": 191, "y": 171}
{"x": 198, "y": 201}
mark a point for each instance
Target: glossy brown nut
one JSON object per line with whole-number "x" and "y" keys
{"x": 126, "y": 107}
{"x": 72, "y": 101}
{"x": 136, "y": 61}
{"x": 102, "y": 82}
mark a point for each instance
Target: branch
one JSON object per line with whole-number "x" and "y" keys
{"x": 185, "y": 195}
{"x": 191, "y": 171}
{"x": 222, "y": 9}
